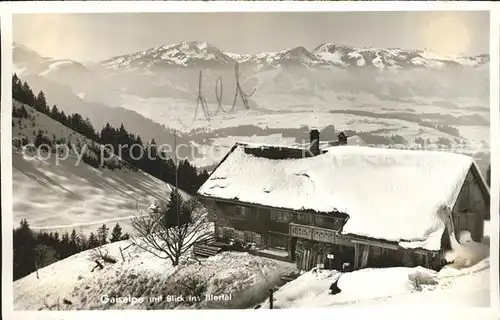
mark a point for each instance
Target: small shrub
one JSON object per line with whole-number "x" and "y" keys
{"x": 102, "y": 254}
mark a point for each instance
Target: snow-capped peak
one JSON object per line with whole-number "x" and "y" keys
{"x": 185, "y": 53}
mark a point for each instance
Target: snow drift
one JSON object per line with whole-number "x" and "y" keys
{"x": 391, "y": 286}
{"x": 246, "y": 278}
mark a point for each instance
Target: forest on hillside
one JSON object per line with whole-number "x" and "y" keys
{"x": 150, "y": 159}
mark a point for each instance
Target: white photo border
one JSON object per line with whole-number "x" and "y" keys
{"x": 495, "y": 155}
{"x": 406, "y": 312}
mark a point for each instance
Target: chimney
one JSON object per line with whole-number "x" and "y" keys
{"x": 342, "y": 139}
{"x": 314, "y": 142}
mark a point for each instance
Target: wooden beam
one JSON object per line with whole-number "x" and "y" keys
{"x": 364, "y": 256}
{"x": 375, "y": 243}
{"x": 356, "y": 255}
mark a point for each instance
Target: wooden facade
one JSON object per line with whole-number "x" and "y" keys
{"x": 472, "y": 206}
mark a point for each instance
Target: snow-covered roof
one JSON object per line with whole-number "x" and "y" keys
{"x": 388, "y": 194}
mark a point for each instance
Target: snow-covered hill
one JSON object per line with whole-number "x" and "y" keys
{"x": 138, "y": 276}
{"x": 83, "y": 81}
{"x": 52, "y": 192}
{"x": 388, "y": 287}
{"x": 30, "y": 60}
{"x": 70, "y": 284}
{"x": 99, "y": 114}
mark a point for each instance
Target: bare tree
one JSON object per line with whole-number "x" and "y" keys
{"x": 174, "y": 242}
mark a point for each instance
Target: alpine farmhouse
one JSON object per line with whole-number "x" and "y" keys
{"x": 346, "y": 206}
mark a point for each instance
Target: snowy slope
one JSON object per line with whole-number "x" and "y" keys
{"x": 57, "y": 193}
{"x": 29, "y": 60}
{"x": 247, "y": 279}
{"x": 389, "y": 287}
{"x": 143, "y": 275}
{"x": 27, "y": 63}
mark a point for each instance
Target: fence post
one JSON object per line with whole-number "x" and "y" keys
{"x": 121, "y": 252}
{"x": 270, "y": 298}
{"x": 36, "y": 268}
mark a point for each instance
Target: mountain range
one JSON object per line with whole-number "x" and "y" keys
{"x": 148, "y": 90}
{"x": 203, "y": 54}
{"x": 171, "y": 70}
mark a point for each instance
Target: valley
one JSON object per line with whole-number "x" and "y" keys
{"x": 379, "y": 97}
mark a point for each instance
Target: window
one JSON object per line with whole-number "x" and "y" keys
{"x": 328, "y": 222}
{"x": 248, "y": 236}
{"x": 280, "y": 216}
{"x": 252, "y": 237}
{"x": 239, "y": 236}
{"x": 323, "y": 222}
{"x": 303, "y": 218}
{"x": 338, "y": 223}
{"x": 278, "y": 241}
{"x": 240, "y": 212}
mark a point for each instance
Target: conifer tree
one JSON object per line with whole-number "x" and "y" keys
{"x": 92, "y": 242}
{"x": 116, "y": 233}
{"x": 24, "y": 250}
{"x": 102, "y": 235}
{"x": 64, "y": 251}
{"x": 40, "y": 103}
{"x": 73, "y": 242}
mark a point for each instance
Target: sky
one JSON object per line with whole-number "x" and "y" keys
{"x": 99, "y": 36}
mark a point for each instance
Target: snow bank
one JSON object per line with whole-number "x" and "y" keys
{"x": 143, "y": 281}
{"x": 73, "y": 279}
{"x": 245, "y": 277}
{"x": 466, "y": 252}
{"x": 391, "y": 286}
{"x": 464, "y": 282}
{"x": 308, "y": 290}
{"x": 376, "y": 283}
{"x": 380, "y": 189}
